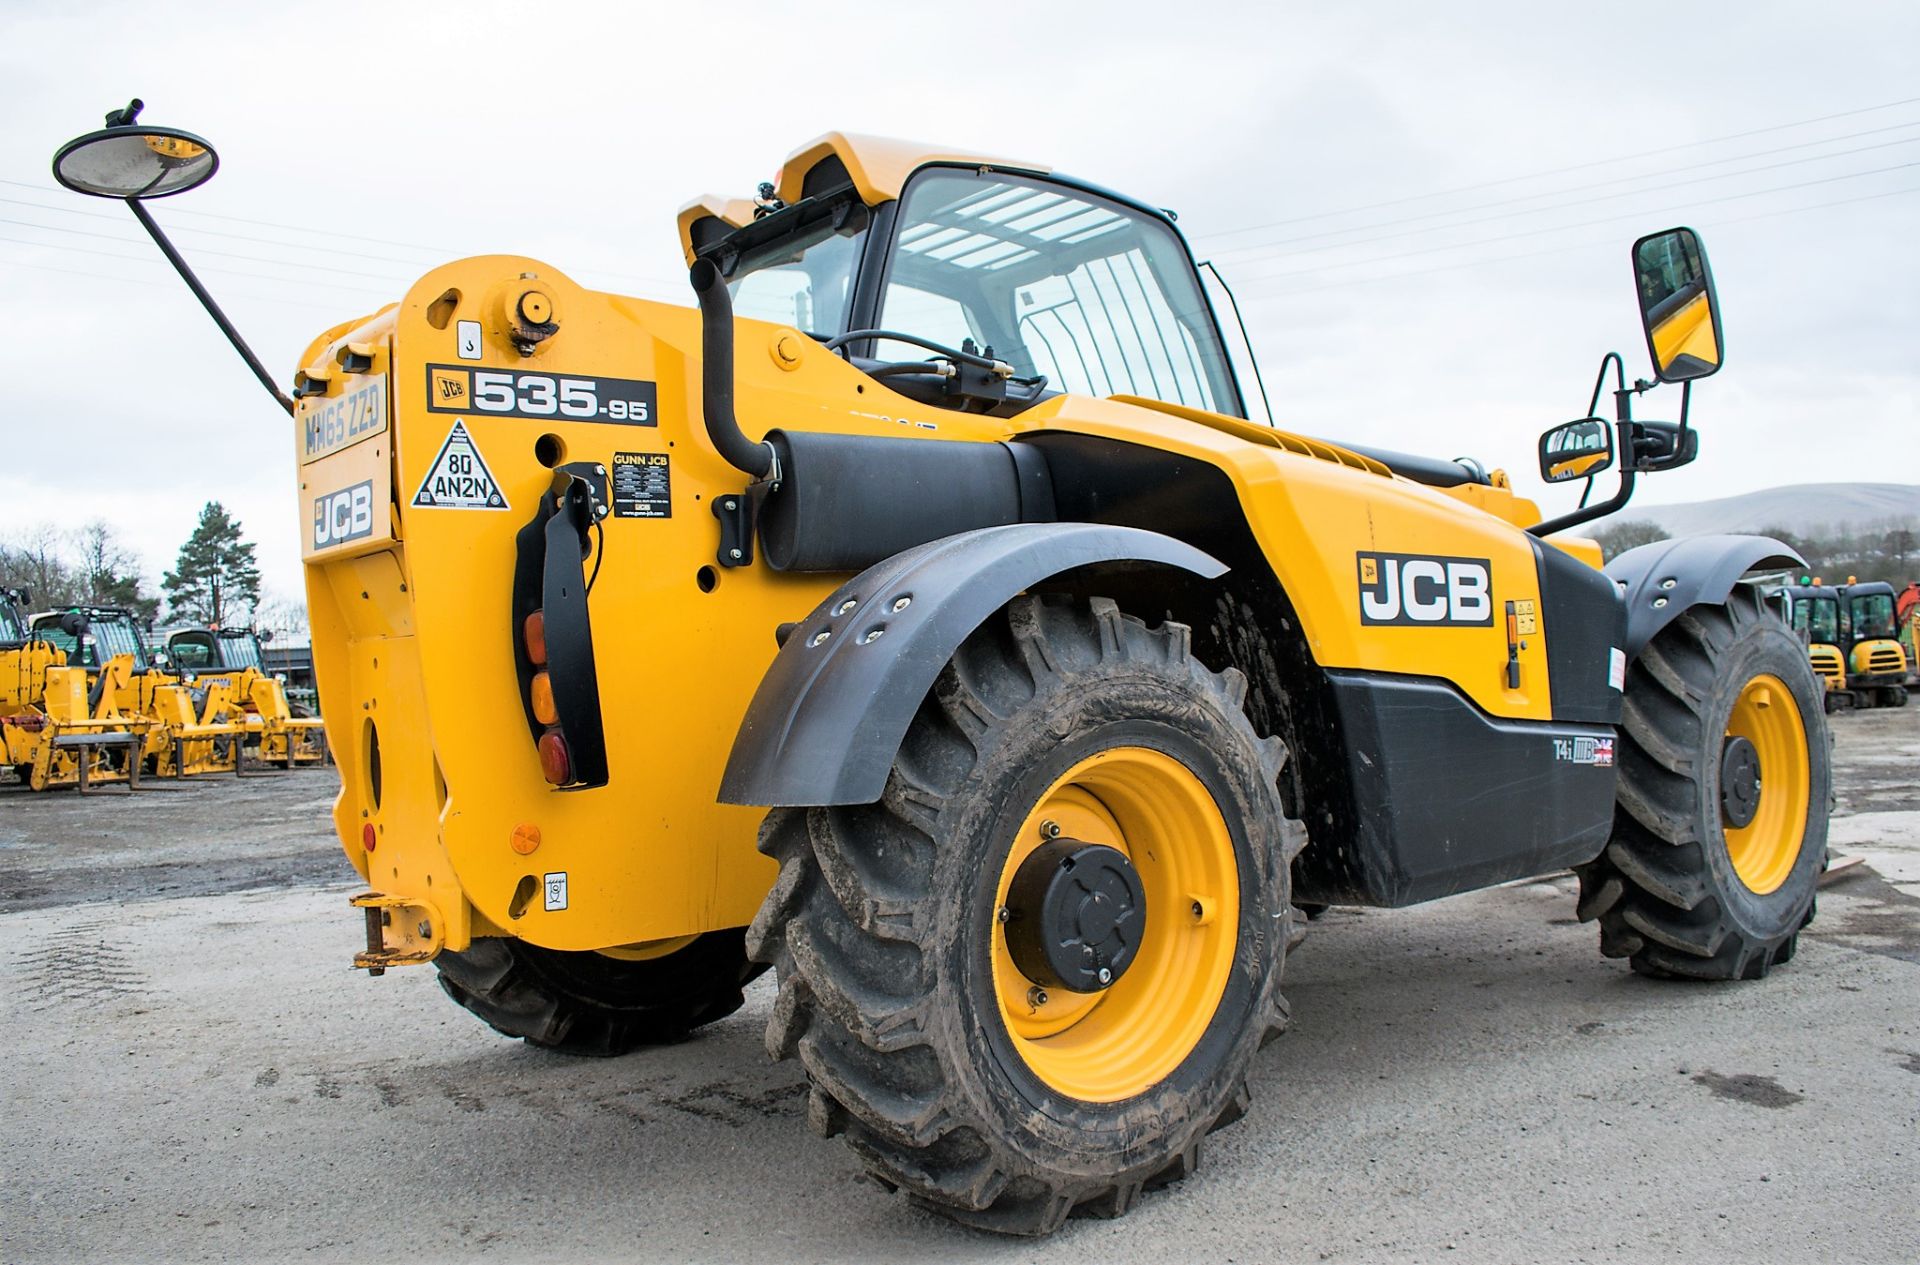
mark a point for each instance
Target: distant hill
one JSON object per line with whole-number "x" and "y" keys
{"x": 1801, "y": 508}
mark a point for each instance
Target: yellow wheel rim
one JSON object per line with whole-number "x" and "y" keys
{"x": 1764, "y": 850}
{"x": 1114, "y": 1044}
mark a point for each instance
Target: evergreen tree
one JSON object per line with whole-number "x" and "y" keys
{"x": 215, "y": 579}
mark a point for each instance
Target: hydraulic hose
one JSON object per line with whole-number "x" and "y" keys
{"x": 716, "y": 373}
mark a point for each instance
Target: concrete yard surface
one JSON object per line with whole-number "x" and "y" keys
{"x": 193, "y": 1072}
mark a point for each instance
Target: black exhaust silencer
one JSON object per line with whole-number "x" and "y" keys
{"x": 846, "y": 502}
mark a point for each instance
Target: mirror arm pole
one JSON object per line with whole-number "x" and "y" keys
{"x": 206, "y": 301}
{"x": 1624, "y": 436}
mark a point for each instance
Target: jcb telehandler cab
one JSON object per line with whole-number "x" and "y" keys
{"x": 923, "y": 616}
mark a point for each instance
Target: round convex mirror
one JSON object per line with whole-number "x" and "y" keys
{"x": 134, "y": 162}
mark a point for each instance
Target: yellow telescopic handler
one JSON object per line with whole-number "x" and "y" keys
{"x": 53, "y": 730}
{"x": 921, "y": 614}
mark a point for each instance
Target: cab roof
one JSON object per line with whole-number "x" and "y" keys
{"x": 877, "y": 165}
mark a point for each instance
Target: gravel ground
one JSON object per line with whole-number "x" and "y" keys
{"x": 193, "y": 1073}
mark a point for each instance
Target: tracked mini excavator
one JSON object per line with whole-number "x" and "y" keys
{"x": 921, "y": 613}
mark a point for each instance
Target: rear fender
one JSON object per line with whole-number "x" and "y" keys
{"x": 831, "y": 712}
{"x": 1660, "y": 580}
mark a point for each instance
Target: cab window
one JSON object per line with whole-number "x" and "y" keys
{"x": 1872, "y": 616}
{"x": 194, "y": 654}
{"x": 1098, "y": 296}
{"x": 1819, "y": 618}
{"x": 804, "y": 280}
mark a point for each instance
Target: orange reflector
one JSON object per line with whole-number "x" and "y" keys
{"x": 534, "y": 633}
{"x": 542, "y": 693}
{"x": 555, "y": 761}
{"x": 366, "y": 836}
{"x": 526, "y": 837}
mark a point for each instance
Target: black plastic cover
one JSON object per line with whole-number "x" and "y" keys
{"x": 1585, "y": 624}
{"x": 1448, "y": 799}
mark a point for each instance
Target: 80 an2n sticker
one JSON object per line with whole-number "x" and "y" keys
{"x": 540, "y": 396}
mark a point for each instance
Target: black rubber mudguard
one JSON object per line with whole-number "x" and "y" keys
{"x": 829, "y": 715}
{"x": 1660, "y": 580}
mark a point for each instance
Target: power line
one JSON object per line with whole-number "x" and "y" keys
{"x": 1581, "y": 246}
{"x": 225, "y": 272}
{"x": 161, "y": 285}
{"x": 1602, "y": 184}
{"x": 222, "y": 254}
{"x": 1566, "y": 228}
{"x": 1558, "y": 171}
{"x": 435, "y": 253}
{"x": 207, "y": 232}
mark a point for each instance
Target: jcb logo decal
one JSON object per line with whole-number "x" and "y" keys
{"x": 1412, "y": 588}
{"x": 448, "y": 387}
{"x": 342, "y": 516}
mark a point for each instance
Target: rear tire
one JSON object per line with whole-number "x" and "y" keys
{"x": 921, "y": 1042}
{"x": 594, "y": 1005}
{"x": 1686, "y": 887}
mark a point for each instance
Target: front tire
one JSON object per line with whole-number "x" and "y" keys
{"x": 1720, "y": 824}
{"x": 954, "y": 1074}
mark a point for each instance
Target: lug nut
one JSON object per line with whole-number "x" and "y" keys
{"x": 1036, "y": 997}
{"x": 1004, "y": 914}
{"x": 1049, "y": 830}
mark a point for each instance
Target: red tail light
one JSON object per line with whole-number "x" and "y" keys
{"x": 534, "y": 632}
{"x": 555, "y": 761}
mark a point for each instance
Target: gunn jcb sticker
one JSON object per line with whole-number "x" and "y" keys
{"x": 1425, "y": 589}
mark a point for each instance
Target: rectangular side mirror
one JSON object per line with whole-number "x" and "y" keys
{"x": 1576, "y": 449}
{"x": 1678, "y": 307}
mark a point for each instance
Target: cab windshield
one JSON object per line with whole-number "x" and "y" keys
{"x": 1872, "y": 616}
{"x": 103, "y": 641}
{"x": 1099, "y": 296}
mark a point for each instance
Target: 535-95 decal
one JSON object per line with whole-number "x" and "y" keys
{"x": 511, "y": 393}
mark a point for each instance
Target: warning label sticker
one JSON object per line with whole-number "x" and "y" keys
{"x": 458, "y": 478}
{"x": 642, "y": 485}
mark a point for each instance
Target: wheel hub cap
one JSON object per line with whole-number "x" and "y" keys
{"x": 1739, "y": 782}
{"x": 1076, "y": 915}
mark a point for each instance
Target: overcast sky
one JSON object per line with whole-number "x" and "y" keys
{"x": 1425, "y": 209}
